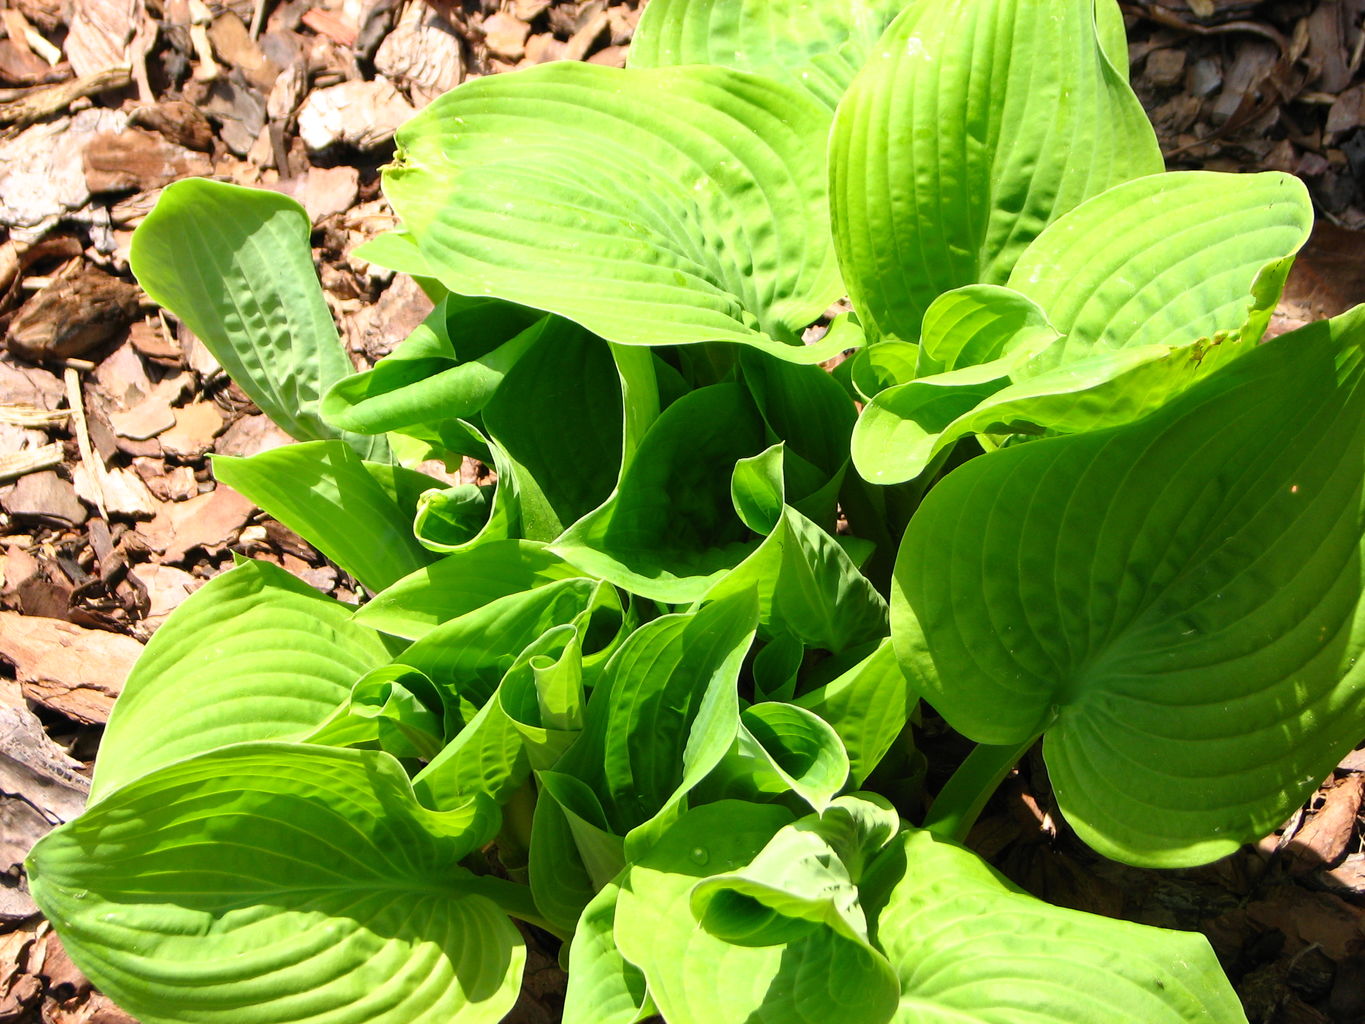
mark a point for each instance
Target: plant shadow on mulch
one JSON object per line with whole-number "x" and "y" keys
{"x": 110, "y": 516}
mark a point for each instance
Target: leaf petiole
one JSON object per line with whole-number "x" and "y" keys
{"x": 962, "y": 798}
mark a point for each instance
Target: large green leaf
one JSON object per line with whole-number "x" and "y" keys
{"x": 973, "y": 126}
{"x": 970, "y": 948}
{"x": 273, "y": 883}
{"x": 322, "y": 491}
{"x": 1150, "y": 285}
{"x": 1175, "y": 603}
{"x": 557, "y": 417}
{"x": 603, "y": 987}
{"x": 668, "y": 532}
{"x": 429, "y": 378}
{"x": 235, "y": 265}
{"x": 663, "y": 714}
{"x": 653, "y": 207}
{"x": 694, "y": 977}
{"x": 254, "y": 654}
{"x": 868, "y": 706}
{"x": 817, "y": 46}
{"x": 460, "y": 583}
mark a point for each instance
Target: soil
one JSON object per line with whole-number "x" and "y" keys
{"x": 109, "y": 516}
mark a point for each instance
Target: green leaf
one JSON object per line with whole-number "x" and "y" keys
{"x": 461, "y": 583}
{"x": 654, "y": 207}
{"x": 425, "y": 380}
{"x": 559, "y": 880}
{"x": 280, "y": 883}
{"x": 780, "y": 749}
{"x": 970, "y": 948}
{"x": 557, "y": 417}
{"x": 254, "y": 654}
{"x": 806, "y": 875}
{"x": 662, "y": 715}
{"x": 542, "y": 694}
{"x": 1175, "y": 603}
{"x": 603, "y": 987}
{"x": 392, "y": 708}
{"x": 818, "y": 47}
{"x": 667, "y": 532}
{"x": 972, "y": 127}
{"x": 1143, "y": 313}
{"x": 697, "y": 978}
{"x": 808, "y": 586}
{"x": 1165, "y": 260}
{"x": 867, "y": 706}
{"x": 469, "y": 655}
{"x": 323, "y": 492}
{"x": 235, "y": 265}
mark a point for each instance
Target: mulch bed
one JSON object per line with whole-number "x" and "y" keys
{"x": 109, "y": 515}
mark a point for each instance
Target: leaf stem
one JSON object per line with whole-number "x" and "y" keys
{"x": 962, "y": 798}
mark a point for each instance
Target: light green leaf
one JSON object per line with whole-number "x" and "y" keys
{"x": 1143, "y": 313}
{"x": 868, "y": 706}
{"x": 1165, "y": 260}
{"x": 460, "y": 583}
{"x": 1174, "y": 603}
{"x": 469, "y": 655}
{"x": 819, "y": 47}
{"x": 654, "y": 207}
{"x": 485, "y": 762}
{"x": 696, "y": 978}
{"x": 392, "y": 708}
{"x": 559, "y": 881}
{"x": 970, "y": 948}
{"x": 603, "y": 987}
{"x": 807, "y": 875}
{"x": 235, "y": 265}
{"x": 972, "y": 127}
{"x": 425, "y": 380}
{"x": 542, "y": 694}
{"x": 664, "y": 712}
{"x": 323, "y": 492}
{"x": 780, "y": 749}
{"x": 557, "y": 417}
{"x": 667, "y": 532}
{"x": 254, "y": 654}
{"x": 280, "y": 883}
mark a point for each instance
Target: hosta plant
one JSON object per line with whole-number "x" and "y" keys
{"x": 651, "y": 694}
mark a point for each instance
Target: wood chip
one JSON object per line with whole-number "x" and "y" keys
{"x": 423, "y": 53}
{"x": 1324, "y": 840}
{"x": 32, "y": 416}
{"x": 120, "y": 491}
{"x": 178, "y": 121}
{"x": 65, "y": 667}
{"x": 16, "y": 464}
{"x": 192, "y": 435}
{"x": 44, "y": 496}
{"x": 40, "y": 782}
{"x": 72, "y": 316}
{"x": 101, "y": 31}
{"x": 135, "y": 160}
{"x": 363, "y": 115}
{"x": 167, "y": 589}
{"x": 325, "y": 191}
{"x": 233, "y": 43}
{"x": 250, "y": 435}
{"x": 326, "y": 23}
{"x": 505, "y": 36}
{"x": 41, "y": 177}
{"x": 211, "y": 520}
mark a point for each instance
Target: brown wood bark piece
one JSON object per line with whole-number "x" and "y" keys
{"x": 363, "y": 115}
{"x": 1324, "y": 841}
{"x": 68, "y": 668}
{"x": 72, "y": 315}
{"x": 210, "y": 520}
{"x": 135, "y": 160}
{"x": 43, "y": 496}
{"x": 40, "y": 784}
